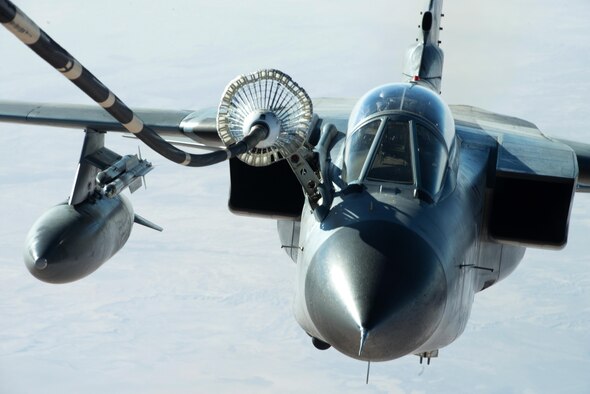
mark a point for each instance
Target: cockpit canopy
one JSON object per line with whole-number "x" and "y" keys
{"x": 400, "y": 134}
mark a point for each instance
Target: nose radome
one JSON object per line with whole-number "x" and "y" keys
{"x": 375, "y": 290}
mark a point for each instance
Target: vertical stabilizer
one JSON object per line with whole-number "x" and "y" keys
{"x": 424, "y": 60}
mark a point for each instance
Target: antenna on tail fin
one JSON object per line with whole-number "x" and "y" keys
{"x": 424, "y": 60}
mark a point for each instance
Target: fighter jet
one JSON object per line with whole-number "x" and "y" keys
{"x": 396, "y": 208}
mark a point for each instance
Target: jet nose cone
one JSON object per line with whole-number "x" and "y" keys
{"x": 377, "y": 278}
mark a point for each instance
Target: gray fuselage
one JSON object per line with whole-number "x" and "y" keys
{"x": 387, "y": 274}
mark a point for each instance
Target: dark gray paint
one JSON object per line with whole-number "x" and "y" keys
{"x": 76, "y": 240}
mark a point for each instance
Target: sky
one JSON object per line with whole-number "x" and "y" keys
{"x": 206, "y": 305}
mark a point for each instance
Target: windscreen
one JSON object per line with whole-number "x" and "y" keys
{"x": 358, "y": 149}
{"x": 393, "y": 157}
{"x": 432, "y": 157}
{"x": 398, "y": 150}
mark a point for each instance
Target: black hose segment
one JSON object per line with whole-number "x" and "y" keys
{"x": 7, "y": 11}
{"x": 258, "y": 132}
{"x": 30, "y": 34}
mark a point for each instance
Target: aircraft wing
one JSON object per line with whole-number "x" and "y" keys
{"x": 180, "y": 127}
{"x": 524, "y": 149}
{"x": 477, "y": 118}
{"x": 198, "y": 126}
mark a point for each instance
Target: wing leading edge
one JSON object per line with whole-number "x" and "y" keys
{"x": 198, "y": 126}
{"x": 180, "y": 127}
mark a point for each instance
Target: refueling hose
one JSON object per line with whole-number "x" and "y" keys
{"x": 43, "y": 45}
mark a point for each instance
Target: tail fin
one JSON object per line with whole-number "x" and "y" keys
{"x": 424, "y": 60}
